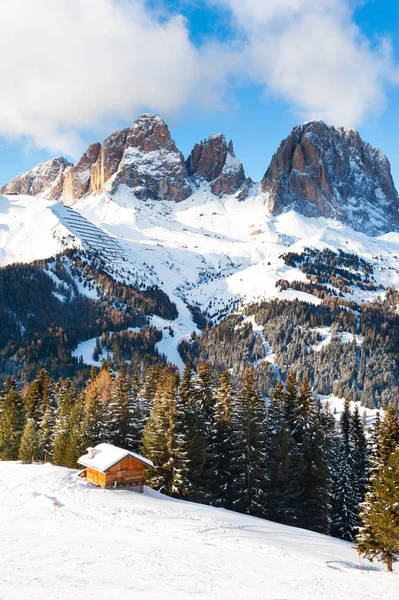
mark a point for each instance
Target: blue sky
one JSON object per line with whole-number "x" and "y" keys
{"x": 250, "y": 70}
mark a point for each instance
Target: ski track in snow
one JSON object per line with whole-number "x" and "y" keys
{"x": 119, "y": 544}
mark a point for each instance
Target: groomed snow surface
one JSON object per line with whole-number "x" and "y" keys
{"x": 120, "y": 544}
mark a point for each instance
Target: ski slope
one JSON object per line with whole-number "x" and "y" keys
{"x": 120, "y": 544}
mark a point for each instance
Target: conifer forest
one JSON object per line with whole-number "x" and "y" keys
{"x": 221, "y": 444}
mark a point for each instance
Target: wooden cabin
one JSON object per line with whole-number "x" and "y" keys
{"x": 110, "y": 467}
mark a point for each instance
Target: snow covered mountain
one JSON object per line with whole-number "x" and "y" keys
{"x": 120, "y": 544}
{"x": 323, "y": 171}
{"x": 204, "y": 233}
{"x": 318, "y": 170}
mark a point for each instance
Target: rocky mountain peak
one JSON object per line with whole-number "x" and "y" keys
{"x": 142, "y": 157}
{"x": 214, "y": 161}
{"x": 46, "y": 178}
{"x": 320, "y": 170}
{"x": 150, "y": 133}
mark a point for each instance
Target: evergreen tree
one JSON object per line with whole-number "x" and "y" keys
{"x": 97, "y": 423}
{"x": 379, "y": 532}
{"x": 192, "y": 396}
{"x": 344, "y": 493}
{"x": 282, "y": 460}
{"x": 204, "y": 391}
{"x": 66, "y": 399}
{"x": 30, "y": 443}
{"x": 77, "y": 442}
{"x": 312, "y": 476}
{"x": 387, "y": 435}
{"x": 221, "y": 448}
{"x": 39, "y": 396}
{"x": 138, "y": 413}
{"x": 46, "y": 426}
{"x": 165, "y": 441}
{"x": 290, "y": 402}
{"x": 12, "y": 421}
{"x": 359, "y": 445}
{"x": 119, "y": 413}
{"x": 249, "y": 458}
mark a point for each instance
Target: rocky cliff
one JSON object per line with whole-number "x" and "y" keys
{"x": 326, "y": 171}
{"x": 318, "y": 170}
{"x": 46, "y": 178}
{"x": 214, "y": 161}
{"x": 143, "y": 157}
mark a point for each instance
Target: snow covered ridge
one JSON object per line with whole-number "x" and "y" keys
{"x": 318, "y": 170}
{"x": 210, "y": 252}
{"x": 159, "y": 548}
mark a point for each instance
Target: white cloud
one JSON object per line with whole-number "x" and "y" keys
{"x": 73, "y": 64}
{"x": 69, "y": 65}
{"x": 310, "y": 54}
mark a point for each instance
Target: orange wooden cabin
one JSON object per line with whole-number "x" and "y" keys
{"x": 110, "y": 467}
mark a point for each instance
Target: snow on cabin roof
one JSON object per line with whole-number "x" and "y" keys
{"x": 107, "y": 455}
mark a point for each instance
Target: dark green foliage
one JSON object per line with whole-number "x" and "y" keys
{"x": 363, "y": 368}
{"x": 29, "y": 448}
{"x": 249, "y": 450}
{"x": 12, "y": 421}
{"x": 378, "y": 535}
{"x": 44, "y": 316}
{"x": 222, "y": 443}
{"x": 165, "y": 439}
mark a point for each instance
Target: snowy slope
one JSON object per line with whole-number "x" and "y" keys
{"x": 212, "y": 252}
{"x": 215, "y": 252}
{"x": 119, "y": 544}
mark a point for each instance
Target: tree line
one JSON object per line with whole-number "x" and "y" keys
{"x": 211, "y": 442}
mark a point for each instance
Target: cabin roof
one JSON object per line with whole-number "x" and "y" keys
{"x": 107, "y": 456}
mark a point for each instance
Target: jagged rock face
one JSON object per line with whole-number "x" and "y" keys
{"x": 215, "y": 161}
{"x": 77, "y": 179}
{"x": 326, "y": 171}
{"x": 46, "y": 179}
{"x": 145, "y": 158}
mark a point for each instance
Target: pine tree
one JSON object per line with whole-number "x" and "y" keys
{"x": 204, "y": 391}
{"x": 66, "y": 399}
{"x": 359, "y": 444}
{"x": 138, "y": 413}
{"x": 77, "y": 441}
{"x": 312, "y": 476}
{"x": 30, "y": 443}
{"x": 379, "y": 532}
{"x": 387, "y": 434}
{"x": 282, "y": 460}
{"x": 38, "y": 396}
{"x": 165, "y": 441}
{"x": 12, "y": 421}
{"x": 46, "y": 425}
{"x": 221, "y": 447}
{"x": 119, "y": 414}
{"x": 97, "y": 424}
{"x": 344, "y": 493}
{"x": 290, "y": 401}
{"x": 198, "y": 429}
{"x": 249, "y": 457}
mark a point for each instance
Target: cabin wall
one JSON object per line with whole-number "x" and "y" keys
{"x": 128, "y": 472}
{"x": 96, "y": 477}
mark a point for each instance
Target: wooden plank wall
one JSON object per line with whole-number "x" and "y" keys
{"x": 95, "y": 477}
{"x": 128, "y": 471}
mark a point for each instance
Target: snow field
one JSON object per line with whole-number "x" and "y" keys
{"x": 119, "y": 544}
{"x": 215, "y": 253}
